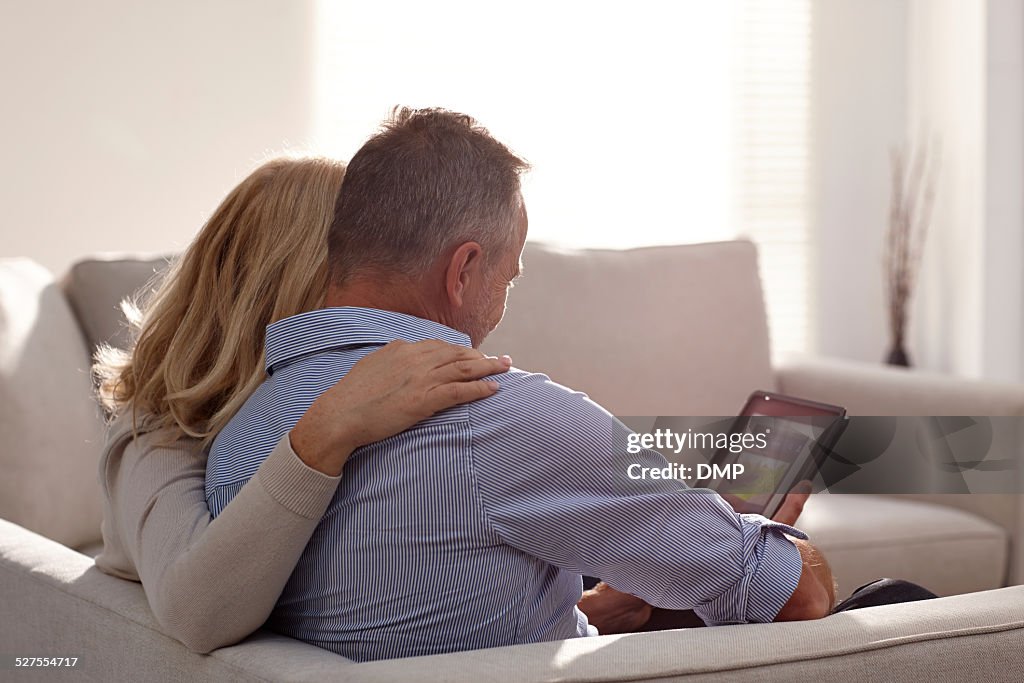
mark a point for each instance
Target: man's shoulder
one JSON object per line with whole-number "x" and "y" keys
{"x": 518, "y": 385}
{"x": 533, "y": 399}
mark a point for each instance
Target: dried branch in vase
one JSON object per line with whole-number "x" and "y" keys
{"x": 913, "y": 194}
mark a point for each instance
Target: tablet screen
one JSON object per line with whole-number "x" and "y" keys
{"x": 765, "y": 469}
{"x": 794, "y": 427}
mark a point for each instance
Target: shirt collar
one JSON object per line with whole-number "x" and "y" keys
{"x": 348, "y": 326}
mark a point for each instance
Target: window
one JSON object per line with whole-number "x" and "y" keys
{"x": 646, "y": 123}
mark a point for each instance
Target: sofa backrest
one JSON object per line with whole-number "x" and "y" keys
{"x": 675, "y": 330}
{"x": 95, "y": 289}
{"x": 50, "y": 427}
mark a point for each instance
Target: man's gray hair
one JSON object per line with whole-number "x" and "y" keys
{"x": 428, "y": 180}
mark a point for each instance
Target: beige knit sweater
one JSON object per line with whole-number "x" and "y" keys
{"x": 209, "y": 583}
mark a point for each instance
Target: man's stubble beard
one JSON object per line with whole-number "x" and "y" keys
{"x": 476, "y": 328}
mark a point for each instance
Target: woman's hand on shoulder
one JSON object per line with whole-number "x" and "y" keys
{"x": 389, "y": 391}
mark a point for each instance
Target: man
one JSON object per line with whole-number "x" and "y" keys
{"x": 473, "y": 528}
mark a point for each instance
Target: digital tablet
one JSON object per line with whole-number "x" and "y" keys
{"x": 797, "y": 435}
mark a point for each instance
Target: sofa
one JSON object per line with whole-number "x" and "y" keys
{"x": 676, "y": 330}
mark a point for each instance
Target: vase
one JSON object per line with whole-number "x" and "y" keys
{"x": 898, "y": 356}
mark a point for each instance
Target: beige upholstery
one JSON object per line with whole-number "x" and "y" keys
{"x": 95, "y": 289}
{"x": 56, "y": 602}
{"x": 50, "y": 428}
{"x": 55, "y": 596}
{"x": 879, "y": 390}
{"x": 868, "y": 537}
{"x": 657, "y": 331}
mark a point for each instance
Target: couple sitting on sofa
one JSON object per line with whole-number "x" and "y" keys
{"x": 469, "y": 507}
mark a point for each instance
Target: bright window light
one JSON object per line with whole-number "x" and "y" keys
{"x": 645, "y": 122}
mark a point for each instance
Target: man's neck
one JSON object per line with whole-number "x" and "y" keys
{"x": 393, "y": 295}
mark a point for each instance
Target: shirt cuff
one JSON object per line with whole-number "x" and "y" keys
{"x": 295, "y": 485}
{"x": 771, "y": 572}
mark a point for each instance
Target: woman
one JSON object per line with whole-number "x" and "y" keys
{"x": 197, "y": 356}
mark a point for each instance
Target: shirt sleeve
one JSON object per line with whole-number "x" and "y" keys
{"x": 211, "y": 583}
{"x": 553, "y": 483}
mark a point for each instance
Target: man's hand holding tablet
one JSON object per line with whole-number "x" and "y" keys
{"x": 788, "y": 513}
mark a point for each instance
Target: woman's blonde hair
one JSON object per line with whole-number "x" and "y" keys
{"x": 197, "y": 351}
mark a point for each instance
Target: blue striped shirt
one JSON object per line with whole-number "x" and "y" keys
{"x": 472, "y": 529}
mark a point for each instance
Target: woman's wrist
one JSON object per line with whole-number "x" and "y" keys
{"x": 320, "y": 445}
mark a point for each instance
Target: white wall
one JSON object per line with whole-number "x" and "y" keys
{"x": 967, "y": 78}
{"x": 1002, "y": 349}
{"x": 124, "y": 123}
{"x": 890, "y": 71}
{"x": 858, "y": 112}
{"x": 946, "y": 97}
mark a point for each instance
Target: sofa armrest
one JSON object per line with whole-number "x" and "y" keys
{"x": 57, "y": 604}
{"x": 867, "y": 389}
{"x": 976, "y": 635}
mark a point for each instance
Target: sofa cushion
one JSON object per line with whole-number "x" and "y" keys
{"x": 866, "y": 537}
{"x": 95, "y": 289}
{"x": 677, "y": 330}
{"x": 50, "y": 429}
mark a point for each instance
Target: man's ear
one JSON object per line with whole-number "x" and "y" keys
{"x": 463, "y": 267}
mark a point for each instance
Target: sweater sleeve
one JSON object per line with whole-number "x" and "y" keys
{"x": 211, "y": 583}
